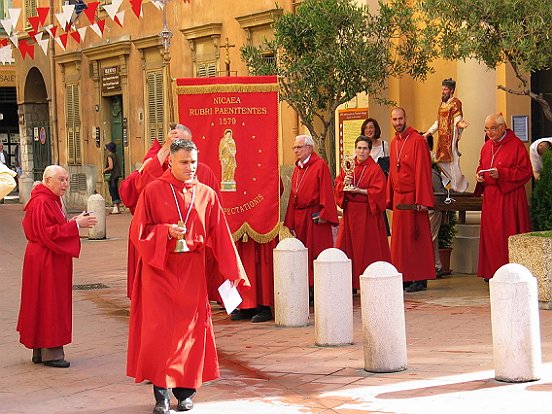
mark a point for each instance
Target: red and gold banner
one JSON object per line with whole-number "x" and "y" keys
{"x": 234, "y": 121}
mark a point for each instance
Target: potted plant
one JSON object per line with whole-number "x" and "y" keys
{"x": 447, "y": 231}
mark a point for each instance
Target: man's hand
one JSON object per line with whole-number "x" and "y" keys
{"x": 420, "y": 207}
{"x": 494, "y": 173}
{"x": 236, "y": 282}
{"x": 176, "y": 232}
{"x": 85, "y": 220}
{"x": 479, "y": 178}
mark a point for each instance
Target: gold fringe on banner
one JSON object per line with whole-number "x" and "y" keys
{"x": 246, "y": 231}
{"x": 234, "y": 87}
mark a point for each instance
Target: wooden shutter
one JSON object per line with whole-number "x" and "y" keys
{"x": 207, "y": 70}
{"x": 74, "y": 152}
{"x": 156, "y": 105}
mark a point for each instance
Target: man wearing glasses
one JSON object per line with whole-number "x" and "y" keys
{"x": 311, "y": 210}
{"x": 504, "y": 169}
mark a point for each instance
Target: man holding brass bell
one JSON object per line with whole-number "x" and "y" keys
{"x": 171, "y": 340}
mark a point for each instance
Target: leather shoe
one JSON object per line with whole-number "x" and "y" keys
{"x": 263, "y": 315}
{"x": 162, "y": 407}
{"x": 185, "y": 405}
{"x": 57, "y": 363}
{"x": 242, "y": 314}
{"x": 417, "y": 286}
{"x": 37, "y": 360}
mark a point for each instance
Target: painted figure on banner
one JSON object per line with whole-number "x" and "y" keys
{"x": 449, "y": 126}
{"x": 504, "y": 169}
{"x": 227, "y": 157}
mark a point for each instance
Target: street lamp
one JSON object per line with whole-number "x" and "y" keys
{"x": 166, "y": 35}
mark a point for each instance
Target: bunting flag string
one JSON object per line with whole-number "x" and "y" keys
{"x": 67, "y": 23}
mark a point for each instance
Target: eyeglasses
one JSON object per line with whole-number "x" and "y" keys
{"x": 492, "y": 129}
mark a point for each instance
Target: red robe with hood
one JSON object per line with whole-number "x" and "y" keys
{"x": 411, "y": 244}
{"x": 45, "y": 314}
{"x": 362, "y": 234}
{"x": 504, "y": 211}
{"x": 312, "y": 193}
{"x": 171, "y": 340}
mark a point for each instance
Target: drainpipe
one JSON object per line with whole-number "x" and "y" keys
{"x": 53, "y": 99}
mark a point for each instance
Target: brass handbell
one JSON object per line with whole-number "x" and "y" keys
{"x": 181, "y": 246}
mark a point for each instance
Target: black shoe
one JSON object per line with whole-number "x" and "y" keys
{"x": 264, "y": 314}
{"x": 57, "y": 363}
{"x": 185, "y": 405}
{"x": 441, "y": 274}
{"x": 37, "y": 360}
{"x": 406, "y": 284}
{"x": 162, "y": 400}
{"x": 486, "y": 279}
{"x": 242, "y": 314}
{"x": 162, "y": 407}
{"x": 417, "y": 286}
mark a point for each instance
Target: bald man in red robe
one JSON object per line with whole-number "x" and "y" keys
{"x": 362, "y": 234}
{"x": 504, "y": 169}
{"x": 410, "y": 183}
{"x": 45, "y": 317}
{"x": 311, "y": 210}
{"x": 171, "y": 340}
{"x": 153, "y": 167}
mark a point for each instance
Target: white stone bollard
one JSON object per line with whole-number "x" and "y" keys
{"x": 333, "y": 299}
{"x": 96, "y": 206}
{"x": 515, "y": 324}
{"x": 383, "y": 323}
{"x": 291, "y": 283}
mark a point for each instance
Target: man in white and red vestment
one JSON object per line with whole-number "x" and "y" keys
{"x": 362, "y": 234}
{"x": 171, "y": 340}
{"x": 311, "y": 211}
{"x": 410, "y": 183}
{"x": 504, "y": 169}
{"x": 45, "y": 316}
{"x": 449, "y": 127}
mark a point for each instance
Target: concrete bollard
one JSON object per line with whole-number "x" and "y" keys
{"x": 515, "y": 324}
{"x": 96, "y": 206}
{"x": 333, "y": 299}
{"x": 383, "y": 323}
{"x": 291, "y": 283}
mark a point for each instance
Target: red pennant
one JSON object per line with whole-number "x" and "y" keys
{"x": 3, "y": 42}
{"x": 53, "y": 30}
{"x": 35, "y": 22}
{"x": 136, "y": 7}
{"x": 75, "y": 35}
{"x": 90, "y": 11}
{"x": 63, "y": 38}
{"x": 42, "y": 14}
{"x": 33, "y": 34}
{"x": 26, "y": 49}
{"x": 68, "y": 26}
{"x": 116, "y": 20}
{"x": 101, "y": 25}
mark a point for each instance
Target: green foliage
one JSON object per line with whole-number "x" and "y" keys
{"x": 541, "y": 199}
{"x": 448, "y": 230}
{"x": 330, "y": 50}
{"x": 517, "y": 32}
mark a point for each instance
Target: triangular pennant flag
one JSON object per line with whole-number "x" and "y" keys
{"x": 75, "y": 35}
{"x": 65, "y": 16}
{"x": 51, "y": 29}
{"x": 14, "y": 16}
{"x": 82, "y": 32}
{"x": 6, "y": 54}
{"x": 42, "y": 14}
{"x": 23, "y": 48}
{"x": 136, "y": 7}
{"x": 43, "y": 43}
{"x": 120, "y": 18}
{"x": 3, "y": 42}
{"x": 68, "y": 27}
{"x": 7, "y": 25}
{"x": 33, "y": 34}
{"x": 15, "y": 40}
{"x": 35, "y": 22}
{"x": 30, "y": 50}
{"x": 63, "y": 39}
{"x": 157, "y": 4}
{"x": 90, "y": 11}
{"x": 113, "y": 8}
{"x": 98, "y": 27}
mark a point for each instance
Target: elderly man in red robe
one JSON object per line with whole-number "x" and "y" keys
{"x": 362, "y": 234}
{"x": 410, "y": 184}
{"x": 504, "y": 169}
{"x": 45, "y": 316}
{"x": 311, "y": 210}
{"x": 153, "y": 167}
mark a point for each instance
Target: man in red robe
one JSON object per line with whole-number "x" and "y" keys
{"x": 362, "y": 234}
{"x": 504, "y": 169}
{"x": 45, "y": 315}
{"x": 171, "y": 340}
{"x": 311, "y": 210}
{"x": 410, "y": 184}
{"x": 153, "y": 167}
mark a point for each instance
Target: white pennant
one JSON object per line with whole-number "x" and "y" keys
{"x": 113, "y": 8}
{"x": 49, "y": 29}
{"x": 14, "y": 16}
{"x": 58, "y": 41}
{"x": 157, "y": 4}
{"x": 7, "y": 25}
{"x": 82, "y": 32}
{"x": 121, "y": 17}
{"x": 6, "y": 54}
{"x": 15, "y": 40}
{"x": 96, "y": 29}
{"x": 65, "y": 16}
{"x": 43, "y": 43}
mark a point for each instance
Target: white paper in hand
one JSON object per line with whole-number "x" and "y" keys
{"x": 230, "y": 296}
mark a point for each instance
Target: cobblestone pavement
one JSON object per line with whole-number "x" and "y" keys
{"x": 265, "y": 369}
